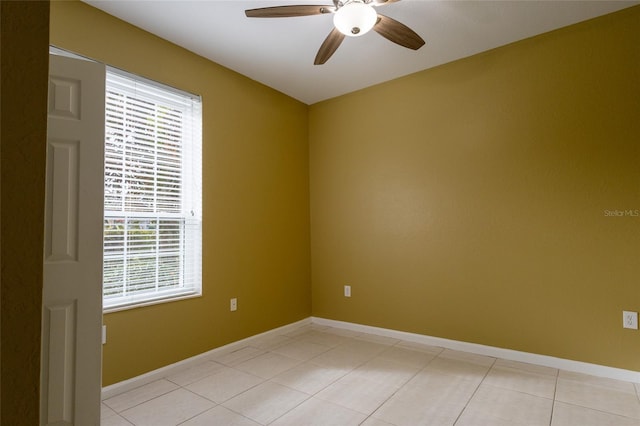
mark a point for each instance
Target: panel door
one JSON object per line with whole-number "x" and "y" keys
{"x": 72, "y": 294}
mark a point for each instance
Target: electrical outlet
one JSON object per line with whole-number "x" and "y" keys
{"x": 347, "y": 291}
{"x": 630, "y": 320}
{"x": 233, "y": 306}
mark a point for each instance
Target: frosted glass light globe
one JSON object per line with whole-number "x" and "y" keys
{"x": 355, "y": 19}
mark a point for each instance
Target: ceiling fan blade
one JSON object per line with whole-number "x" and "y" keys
{"x": 288, "y": 11}
{"x": 329, "y": 46}
{"x": 398, "y": 33}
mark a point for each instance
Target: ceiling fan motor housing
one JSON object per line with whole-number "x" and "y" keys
{"x": 355, "y": 18}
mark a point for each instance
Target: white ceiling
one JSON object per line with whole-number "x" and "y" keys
{"x": 279, "y": 52}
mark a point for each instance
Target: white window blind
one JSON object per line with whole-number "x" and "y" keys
{"x": 153, "y": 193}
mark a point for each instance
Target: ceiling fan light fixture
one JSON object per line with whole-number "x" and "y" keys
{"x": 355, "y": 19}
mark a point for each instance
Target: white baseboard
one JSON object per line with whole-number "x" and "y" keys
{"x": 126, "y": 385}
{"x": 544, "y": 360}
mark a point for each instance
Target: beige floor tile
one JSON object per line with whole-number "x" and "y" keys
{"x": 408, "y": 356}
{"x": 310, "y": 326}
{"x": 531, "y": 368}
{"x": 300, "y": 331}
{"x": 386, "y": 372}
{"x": 365, "y": 348}
{"x": 486, "y": 361}
{"x": 600, "y": 398}
{"x": 266, "y": 402}
{"x": 115, "y": 421}
{"x": 572, "y": 415}
{"x": 319, "y": 327}
{"x": 496, "y": 406}
{"x": 139, "y": 395}
{"x": 431, "y": 399}
{"x": 300, "y": 350}
{"x": 326, "y": 339}
{"x": 316, "y": 412}
{"x": 224, "y": 384}
{"x": 238, "y": 356}
{"x": 268, "y": 365}
{"x": 106, "y": 412}
{"x": 219, "y": 416}
{"x": 372, "y": 421}
{"x": 383, "y": 340}
{"x": 270, "y": 342}
{"x": 459, "y": 368}
{"x": 194, "y": 373}
{"x": 341, "y": 332}
{"x": 341, "y": 358}
{"x": 433, "y": 350}
{"x": 433, "y": 379}
{"x": 168, "y": 410}
{"x": 319, "y": 375}
{"x": 315, "y": 326}
{"x": 597, "y": 381}
{"x": 357, "y": 393}
{"x": 543, "y": 385}
{"x": 309, "y": 378}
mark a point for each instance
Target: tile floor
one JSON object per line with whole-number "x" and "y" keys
{"x": 326, "y": 376}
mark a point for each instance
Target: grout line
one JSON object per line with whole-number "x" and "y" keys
{"x": 344, "y": 343}
{"x": 553, "y": 402}
{"x": 196, "y": 415}
{"x": 242, "y": 415}
{"x": 292, "y": 408}
{"x": 126, "y": 420}
{"x": 296, "y": 338}
{"x": 145, "y": 401}
{"x": 310, "y": 396}
{"x": 400, "y": 387}
{"x": 475, "y": 391}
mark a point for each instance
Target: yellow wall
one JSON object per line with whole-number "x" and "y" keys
{"x": 24, "y": 62}
{"x": 468, "y": 201}
{"x": 255, "y": 200}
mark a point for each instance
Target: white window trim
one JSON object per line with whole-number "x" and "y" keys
{"x": 192, "y": 200}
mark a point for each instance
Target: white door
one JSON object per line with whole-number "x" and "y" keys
{"x": 72, "y": 294}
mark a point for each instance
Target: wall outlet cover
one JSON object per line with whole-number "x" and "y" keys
{"x": 630, "y": 320}
{"x": 347, "y": 291}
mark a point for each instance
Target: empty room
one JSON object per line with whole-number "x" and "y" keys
{"x": 429, "y": 215}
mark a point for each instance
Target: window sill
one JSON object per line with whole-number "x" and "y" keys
{"x": 139, "y": 304}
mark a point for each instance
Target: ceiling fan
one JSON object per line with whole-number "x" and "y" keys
{"x": 351, "y": 18}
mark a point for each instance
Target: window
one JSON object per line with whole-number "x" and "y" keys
{"x": 152, "y": 193}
